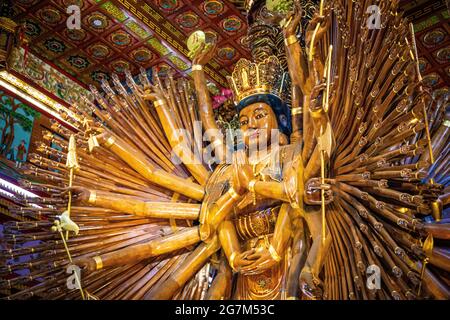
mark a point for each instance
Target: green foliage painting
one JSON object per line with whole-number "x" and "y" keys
{"x": 16, "y": 123}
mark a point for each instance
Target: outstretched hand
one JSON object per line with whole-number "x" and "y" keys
{"x": 293, "y": 20}
{"x": 79, "y": 194}
{"x": 313, "y": 189}
{"x": 316, "y": 95}
{"x": 86, "y": 263}
{"x": 325, "y": 22}
{"x": 155, "y": 92}
{"x": 310, "y": 285}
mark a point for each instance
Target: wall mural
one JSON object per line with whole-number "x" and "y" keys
{"x": 47, "y": 77}
{"x": 16, "y": 125}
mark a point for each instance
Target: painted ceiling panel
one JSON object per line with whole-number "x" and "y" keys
{"x": 432, "y": 31}
{"x": 118, "y": 34}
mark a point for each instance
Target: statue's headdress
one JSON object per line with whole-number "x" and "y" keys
{"x": 265, "y": 82}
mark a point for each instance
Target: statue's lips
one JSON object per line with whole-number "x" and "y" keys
{"x": 253, "y": 134}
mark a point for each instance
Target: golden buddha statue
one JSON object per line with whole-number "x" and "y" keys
{"x": 314, "y": 194}
{"x": 253, "y": 209}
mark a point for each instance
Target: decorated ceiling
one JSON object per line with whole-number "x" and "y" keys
{"x": 127, "y": 34}
{"x": 120, "y": 34}
{"x": 432, "y": 30}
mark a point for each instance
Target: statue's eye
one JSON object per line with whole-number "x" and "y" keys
{"x": 260, "y": 115}
{"x": 244, "y": 122}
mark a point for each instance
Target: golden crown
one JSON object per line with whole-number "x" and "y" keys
{"x": 250, "y": 78}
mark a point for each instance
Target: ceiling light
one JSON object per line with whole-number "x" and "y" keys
{"x": 16, "y": 189}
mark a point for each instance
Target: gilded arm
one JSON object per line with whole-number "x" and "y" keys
{"x": 220, "y": 209}
{"x": 322, "y": 131}
{"x": 311, "y": 195}
{"x": 230, "y": 243}
{"x": 221, "y": 286}
{"x": 212, "y": 131}
{"x": 298, "y": 72}
{"x": 136, "y": 205}
{"x": 297, "y": 62}
{"x": 229, "y": 240}
{"x": 218, "y": 212}
{"x": 172, "y": 131}
{"x": 141, "y": 164}
{"x": 315, "y": 76}
{"x": 309, "y": 276}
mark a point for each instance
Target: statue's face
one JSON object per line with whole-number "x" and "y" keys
{"x": 257, "y": 122}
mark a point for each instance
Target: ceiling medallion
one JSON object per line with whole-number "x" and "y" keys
{"x": 99, "y": 76}
{"x": 213, "y": 7}
{"x": 423, "y": 64}
{"x": 75, "y": 34}
{"x": 431, "y": 80}
{"x": 188, "y": 20}
{"x": 231, "y": 24}
{"x": 97, "y": 21}
{"x": 211, "y": 36}
{"x": 55, "y": 45}
{"x": 142, "y": 55}
{"x": 99, "y": 51}
{"x": 443, "y": 55}
{"x": 168, "y": 5}
{"x": 50, "y": 15}
{"x": 78, "y": 62}
{"x": 120, "y": 38}
{"x": 32, "y": 29}
{"x": 227, "y": 53}
{"x": 120, "y": 66}
{"x": 79, "y": 3}
{"x": 434, "y": 37}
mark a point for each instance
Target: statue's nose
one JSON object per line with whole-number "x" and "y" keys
{"x": 252, "y": 123}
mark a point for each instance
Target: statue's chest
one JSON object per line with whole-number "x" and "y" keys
{"x": 256, "y": 221}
